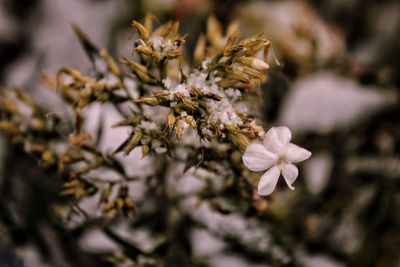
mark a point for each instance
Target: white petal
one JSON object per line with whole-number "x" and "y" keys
{"x": 295, "y": 153}
{"x": 290, "y": 172}
{"x": 258, "y": 158}
{"x": 277, "y": 138}
{"x": 268, "y": 181}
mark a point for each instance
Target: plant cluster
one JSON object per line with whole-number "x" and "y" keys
{"x": 187, "y": 121}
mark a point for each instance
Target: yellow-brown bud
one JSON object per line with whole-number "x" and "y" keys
{"x": 179, "y": 129}
{"x": 191, "y": 121}
{"x": 138, "y": 69}
{"x": 151, "y": 101}
{"x": 170, "y": 122}
{"x": 143, "y": 32}
{"x": 200, "y": 50}
{"x": 130, "y": 121}
{"x": 145, "y": 150}
{"x": 133, "y": 142}
{"x": 112, "y": 64}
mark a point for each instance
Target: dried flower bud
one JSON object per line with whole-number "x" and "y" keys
{"x": 78, "y": 189}
{"x": 112, "y": 64}
{"x": 143, "y": 32}
{"x": 133, "y": 142}
{"x": 214, "y": 32}
{"x": 152, "y": 101}
{"x": 144, "y": 49}
{"x": 229, "y": 51}
{"x": 191, "y": 121}
{"x": 145, "y": 150}
{"x": 179, "y": 129}
{"x": 161, "y": 96}
{"x": 170, "y": 122}
{"x": 239, "y": 140}
{"x": 200, "y": 50}
{"x": 130, "y": 121}
{"x": 232, "y": 28}
{"x": 196, "y": 92}
{"x": 253, "y": 62}
{"x": 148, "y": 21}
{"x": 174, "y": 53}
{"x": 254, "y": 44}
{"x": 187, "y": 102}
{"x": 253, "y": 74}
{"x": 138, "y": 69}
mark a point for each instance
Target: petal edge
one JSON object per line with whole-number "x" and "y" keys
{"x": 277, "y": 138}
{"x": 290, "y": 173}
{"x": 268, "y": 181}
{"x": 294, "y": 153}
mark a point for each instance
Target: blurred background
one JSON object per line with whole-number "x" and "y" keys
{"x": 336, "y": 87}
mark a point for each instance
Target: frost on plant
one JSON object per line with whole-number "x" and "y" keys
{"x": 193, "y": 123}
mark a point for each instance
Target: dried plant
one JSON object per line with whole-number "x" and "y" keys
{"x": 191, "y": 123}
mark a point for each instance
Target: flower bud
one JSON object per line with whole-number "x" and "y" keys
{"x": 143, "y": 32}
{"x": 133, "y": 142}
{"x": 114, "y": 68}
{"x": 130, "y": 121}
{"x": 191, "y": 121}
{"x": 200, "y": 50}
{"x": 138, "y": 69}
{"x": 142, "y": 49}
{"x": 170, "y": 122}
{"x": 151, "y": 101}
{"x": 259, "y": 64}
{"x": 239, "y": 140}
{"x": 145, "y": 150}
{"x": 214, "y": 32}
{"x": 179, "y": 129}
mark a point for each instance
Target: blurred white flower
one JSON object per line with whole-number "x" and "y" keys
{"x": 276, "y": 155}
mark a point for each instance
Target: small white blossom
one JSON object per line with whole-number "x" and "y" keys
{"x": 276, "y": 155}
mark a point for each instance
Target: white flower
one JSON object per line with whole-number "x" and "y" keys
{"x": 276, "y": 155}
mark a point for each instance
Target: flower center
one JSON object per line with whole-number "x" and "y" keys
{"x": 281, "y": 161}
